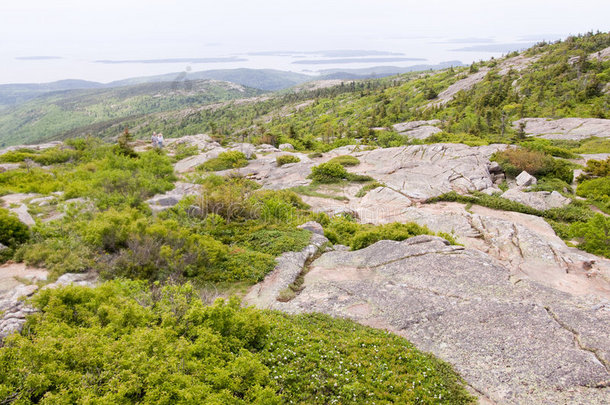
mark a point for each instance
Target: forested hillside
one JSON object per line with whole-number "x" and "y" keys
{"x": 81, "y": 112}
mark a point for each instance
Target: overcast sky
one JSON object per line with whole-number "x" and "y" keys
{"x": 82, "y": 31}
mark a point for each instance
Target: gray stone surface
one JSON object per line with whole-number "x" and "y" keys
{"x": 418, "y": 129}
{"x": 517, "y": 343}
{"x": 246, "y": 148}
{"x": 525, "y": 179}
{"x": 540, "y": 200}
{"x": 191, "y": 162}
{"x": 565, "y": 128}
{"x": 313, "y": 227}
{"x": 23, "y": 215}
{"x": 167, "y": 200}
{"x": 289, "y": 266}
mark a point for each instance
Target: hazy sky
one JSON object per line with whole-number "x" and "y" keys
{"x": 82, "y": 31}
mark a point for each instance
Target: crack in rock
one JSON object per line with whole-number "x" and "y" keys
{"x": 577, "y": 339}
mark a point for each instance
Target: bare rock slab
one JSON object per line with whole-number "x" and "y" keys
{"x": 514, "y": 343}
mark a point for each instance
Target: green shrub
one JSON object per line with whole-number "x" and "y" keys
{"x": 12, "y": 231}
{"x": 328, "y": 173}
{"x": 546, "y": 146}
{"x": 551, "y": 184}
{"x": 597, "y": 168}
{"x": 314, "y": 155}
{"x": 331, "y": 172}
{"x": 515, "y": 160}
{"x": 597, "y": 189}
{"x": 345, "y": 160}
{"x": 346, "y": 231}
{"x": 231, "y": 159}
{"x": 122, "y": 342}
{"x": 285, "y": 159}
{"x": 593, "y": 235}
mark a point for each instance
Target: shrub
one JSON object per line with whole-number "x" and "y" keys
{"x": 597, "y": 168}
{"x": 331, "y": 172}
{"x": 514, "y": 161}
{"x": 314, "y": 155}
{"x": 594, "y": 235}
{"x": 394, "y": 231}
{"x": 328, "y": 173}
{"x": 345, "y": 160}
{"x": 231, "y": 159}
{"x": 348, "y": 232}
{"x": 122, "y": 342}
{"x": 12, "y": 231}
{"x": 595, "y": 188}
{"x": 285, "y": 159}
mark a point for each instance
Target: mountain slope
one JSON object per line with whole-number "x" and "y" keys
{"x": 51, "y": 116}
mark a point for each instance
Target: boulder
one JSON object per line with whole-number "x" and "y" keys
{"x": 540, "y": 200}
{"x": 513, "y": 343}
{"x": 2, "y": 247}
{"x": 246, "y": 148}
{"x": 313, "y": 227}
{"x": 418, "y": 129}
{"x": 494, "y": 168}
{"x": 525, "y": 179}
{"x": 23, "y": 215}
{"x": 286, "y": 146}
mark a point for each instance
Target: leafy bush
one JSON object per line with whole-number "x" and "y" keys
{"x": 347, "y": 231}
{"x": 597, "y": 168}
{"x": 285, "y": 159}
{"x": 345, "y": 160}
{"x": 331, "y": 172}
{"x": 594, "y": 188}
{"x": 594, "y": 235}
{"x": 12, "y": 231}
{"x": 546, "y": 146}
{"x": 515, "y": 160}
{"x": 231, "y": 159}
{"x": 123, "y": 343}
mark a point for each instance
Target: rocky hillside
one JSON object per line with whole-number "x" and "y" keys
{"x": 355, "y": 226}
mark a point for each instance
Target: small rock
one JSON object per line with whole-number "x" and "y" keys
{"x": 525, "y": 179}
{"x": 2, "y": 247}
{"x": 341, "y": 248}
{"x": 313, "y": 227}
{"x": 494, "y": 168}
{"x": 286, "y": 146}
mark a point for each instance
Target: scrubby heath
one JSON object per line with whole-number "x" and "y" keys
{"x": 123, "y": 342}
{"x": 146, "y": 336}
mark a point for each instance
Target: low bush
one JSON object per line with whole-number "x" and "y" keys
{"x": 546, "y": 146}
{"x": 285, "y": 159}
{"x": 593, "y": 235}
{"x": 12, "y": 231}
{"x": 231, "y": 159}
{"x": 346, "y": 231}
{"x": 515, "y": 160}
{"x": 345, "y": 160}
{"x": 124, "y": 343}
{"x": 331, "y": 172}
{"x": 596, "y": 189}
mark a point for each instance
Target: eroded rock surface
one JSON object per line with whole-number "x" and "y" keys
{"x": 19, "y": 282}
{"x": 515, "y": 343}
{"x": 565, "y": 128}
